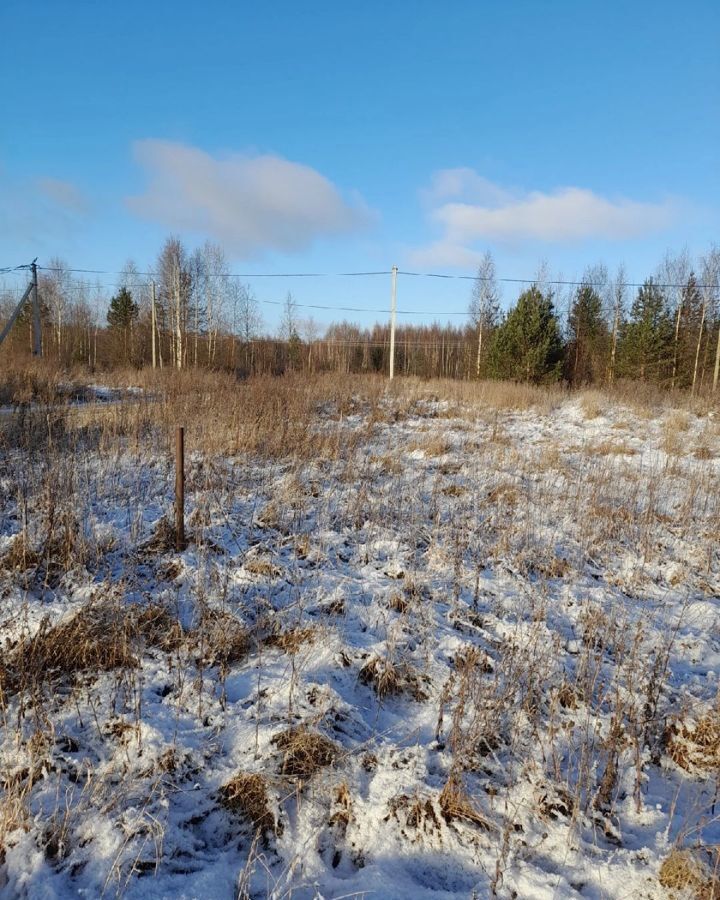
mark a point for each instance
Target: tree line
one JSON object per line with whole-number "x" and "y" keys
{"x": 191, "y": 313}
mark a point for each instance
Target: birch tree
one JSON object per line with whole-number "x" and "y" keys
{"x": 484, "y": 305}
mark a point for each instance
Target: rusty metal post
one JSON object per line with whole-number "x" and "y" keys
{"x": 180, "y": 489}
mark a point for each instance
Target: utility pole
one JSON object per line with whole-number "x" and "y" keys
{"x": 37, "y": 333}
{"x": 393, "y": 313}
{"x": 153, "y": 319}
{"x": 30, "y": 290}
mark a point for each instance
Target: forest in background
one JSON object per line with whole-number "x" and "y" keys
{"x": 664, "y": 331}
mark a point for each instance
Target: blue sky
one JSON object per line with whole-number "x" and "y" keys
{"x": 335, "y": 136}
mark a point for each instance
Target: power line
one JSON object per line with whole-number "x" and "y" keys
{"x": 361, "y": 274}
{"x": 559, "y": 282}
{"x": 444, "y": 275}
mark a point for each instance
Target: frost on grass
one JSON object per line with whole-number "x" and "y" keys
{"x": 448, "y": 640}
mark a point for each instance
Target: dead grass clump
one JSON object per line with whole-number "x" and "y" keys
{"x": 262, "y": 566}
{"x": 305, "y": 752}
{"x": 158, "y": 626}
{"x": 703, "y": 452}
{"x": 387, "y": 464}
{"x": 472, "y": 657}
{"x": 101, "y": 636}
{"x": 454, "y": 490}
{"x": 19, "y": 555}
{"x": 555, "y": 802}
{"x": 593, "y": 404}
{"x": 63, "y": 550}
{"x": 334, "y": 607}
{"x": 456, "y": 804}
{"x": 611, "y": 448}
{"x": 246, "y": 794}
{"x": 685, "y": 870}
{"x": 221, "y": 639}
{"x": 388, "y": 679}
{"x": 291, "y": 639}
{"x": 552, "y": 567}
{"x": 568, "y": 696}
{"x": 506, "y": 493}
{"x": 98, "y": 637}
{"x": 398, "y": 603}
{"x": 162, "y": 539}
{"x": 432, "y": 447}
{"x": 418, "y": 814}
{"x": 695, "y": 745}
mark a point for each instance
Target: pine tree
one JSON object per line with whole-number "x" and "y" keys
{"x": 646, "y": 347}
{"x": 527, "y": 344}
{"x": 121, "y": 316}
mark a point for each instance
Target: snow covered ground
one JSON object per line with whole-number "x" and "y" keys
{"x": 470, "y": 652}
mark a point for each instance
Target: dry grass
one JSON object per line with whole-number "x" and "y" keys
{"x": 611, "y": 448}
{"x": 220, "y": 639}
{"x": 688, "y": 872}
{"x": 19, "y": 555}
{"x": 163, "y": 538}
{"x": 694, "y": 744}
{"x": 415, "y": 813}
{"x": 305, "y": 752}
{"x": 535, "y": 511}
{"x": 593, "y": 403}
{"x": 246, "y": 794}
{"x": 388, "y": 678}
{"x": 455, "y": 804}
{"x": 431, "y": 447}
{"x": 290, "y": 640}
{"x": 101, "y": 636}
{"x": 262, "y": 566}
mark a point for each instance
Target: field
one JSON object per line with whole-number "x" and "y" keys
{"x": 430, "y": 640}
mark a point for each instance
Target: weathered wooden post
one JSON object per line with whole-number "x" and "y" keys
{"x": 180, "y": 489}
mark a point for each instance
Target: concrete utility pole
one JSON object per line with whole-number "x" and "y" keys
{"x": 393, "y": 313}
{"x": 153, "y": 320}
{"x": 37, "y": 326}
{"x": 30, "y": 290}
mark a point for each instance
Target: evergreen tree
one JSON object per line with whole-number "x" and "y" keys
{"x": 527, "y": 345}
{"x": 691, "y": 323}
{"x": 587, "y": 337}
{"x": 646, "y": 347}
{"x": 121, "y": 316}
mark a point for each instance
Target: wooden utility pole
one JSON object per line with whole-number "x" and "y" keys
{"x": 180, "y": 489}
{"x": 153, "y": 320}
{"x": 393, "y": 313}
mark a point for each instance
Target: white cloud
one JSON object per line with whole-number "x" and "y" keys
{"x": 470, "y": 209}
{"x": 63, "y": 193}
{"x": 249, "y": 203}
{"x": 466, "y": 183}
{"x": 41, "y": 210}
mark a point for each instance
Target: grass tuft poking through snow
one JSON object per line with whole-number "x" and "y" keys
{"x": 426, "y": 640}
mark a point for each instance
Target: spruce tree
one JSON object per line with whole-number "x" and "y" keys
{"x": 646, "y": 349}
{"x": 121, "y": 316}
{"x": 527, "y": 345}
